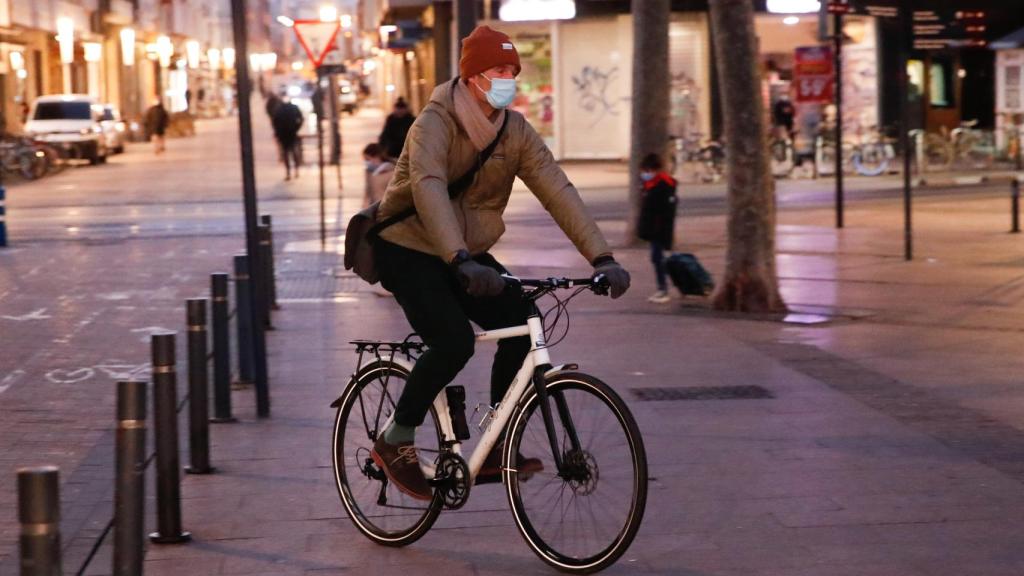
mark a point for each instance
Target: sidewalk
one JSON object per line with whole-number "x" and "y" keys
{"x": 891, "y": 446}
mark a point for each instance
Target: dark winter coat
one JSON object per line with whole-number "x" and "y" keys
{"x": 156, "y": 120}
{"x": 287, "y": 120}
{"x": 658, "y": 212}
{"x": 392, "y": 138}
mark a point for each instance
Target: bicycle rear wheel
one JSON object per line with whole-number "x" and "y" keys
{"x": 583, "y": 518}
{"x": 379, "y": 510}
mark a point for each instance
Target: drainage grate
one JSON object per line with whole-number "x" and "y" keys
{"x": 701, "y": 393}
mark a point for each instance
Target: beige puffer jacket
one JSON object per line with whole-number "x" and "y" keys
{"x": 438, "y": 150}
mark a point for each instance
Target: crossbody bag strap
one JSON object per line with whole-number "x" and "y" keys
{"x": 454, "y": 188}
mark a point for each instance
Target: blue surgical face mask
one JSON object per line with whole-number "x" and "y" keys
{"x": 371, "y": 165}
{"x": 647, "y": 176}
{"x": 502, "y": 92}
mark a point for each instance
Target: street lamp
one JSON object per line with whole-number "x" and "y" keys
{"x": 328, "y": 13}
{"x": 164, "y": 50}
{"x": 285, "y": 21}
{"x": 229, "y": 57}
{"x": 128, "y": 46}
{"x": 66, "y": 39}
{"x": 93, "y": 51}
{"x": 213, "y": 56}
{"x": 346, "y": 21}
{"x": 192, "y": 52}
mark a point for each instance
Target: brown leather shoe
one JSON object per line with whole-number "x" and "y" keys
{"x": 402, "y": 466}
{"x": 490, "y": 471}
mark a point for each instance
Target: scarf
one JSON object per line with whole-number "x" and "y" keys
{"x": 479, "y": 127}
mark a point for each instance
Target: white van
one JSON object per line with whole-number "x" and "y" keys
{"x": 71, "y": 122}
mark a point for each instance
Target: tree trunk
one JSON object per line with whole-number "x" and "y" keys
{"x": 750, "y": 283}
{"x": 651, "y": 84}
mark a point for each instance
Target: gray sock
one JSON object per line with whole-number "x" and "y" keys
{"x": 396, "y": 433}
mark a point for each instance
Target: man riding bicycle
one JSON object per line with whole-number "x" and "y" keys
{"x": 436, "y": 262}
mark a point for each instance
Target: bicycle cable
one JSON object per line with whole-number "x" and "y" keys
{"x": 560, "y": 310}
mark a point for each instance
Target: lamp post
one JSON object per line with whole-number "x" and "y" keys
{"x": 164, "y": 52}
{"x": 128, "y": 60}
{"x": 66, "y": 40}
{"x": 93, "y": 52}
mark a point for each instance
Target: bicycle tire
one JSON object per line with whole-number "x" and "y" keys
{"x": 870, "y": 160}
{"x": 528, "y": 510}
{"x": 367, "y": 519}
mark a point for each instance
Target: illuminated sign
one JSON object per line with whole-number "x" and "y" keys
{"x": 522, "y": 10}
{"x": 794, "y": 6}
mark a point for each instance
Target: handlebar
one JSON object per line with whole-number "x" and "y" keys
{"x": 598, "y": 284}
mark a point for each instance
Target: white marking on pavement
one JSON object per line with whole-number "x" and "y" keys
{"x": 39, "y": 314}
{"x": 62, "y": 376}
{"x": 150, "y": 331}
{"x": 120, "y": 370}
{"x": 10, "y": 379}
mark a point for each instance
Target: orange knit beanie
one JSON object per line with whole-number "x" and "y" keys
{"x": 486, "y": 48}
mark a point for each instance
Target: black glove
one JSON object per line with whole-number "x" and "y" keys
{"x": 477, "y": 279}
{"x": 616, "y": 275}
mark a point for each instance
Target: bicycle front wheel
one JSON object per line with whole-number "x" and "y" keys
{"x": 583, "y": 517}
{"x": 379, "y": 510}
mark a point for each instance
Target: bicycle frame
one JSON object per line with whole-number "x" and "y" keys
{"x": 533, "y": 371}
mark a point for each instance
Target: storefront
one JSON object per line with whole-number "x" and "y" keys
{"x": 1010, "y": 91}
{"x": 576, "y": 83}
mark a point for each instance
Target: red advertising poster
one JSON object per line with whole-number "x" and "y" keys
{"x": 813, "y": 75}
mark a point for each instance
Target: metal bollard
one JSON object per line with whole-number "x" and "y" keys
{"x": 198, "y": 390}
{"x": 243, "y": 319}
{"x": 267, "y": 221}
{"x": 1015, "y": 205}
{"x": 39, "y": 514}
{"x": 265, "y": 256}
{"x": 165, "y": 420}
{"x": 130, "y": 490}
{"x": 221, "y": 350}
{"x": 3, "y": 216}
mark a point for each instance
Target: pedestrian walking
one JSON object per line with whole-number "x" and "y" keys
{"x": 431, "y": 249}
{"x": 156, "y": 121}
{"x": 379, "y": 170}
{"x": 784, "y": 117}
{"x": 657, "y": 218}
{"x": 396, "y": 129}
{"x": 287, "y": 120}
{"x": 271, "y": 105}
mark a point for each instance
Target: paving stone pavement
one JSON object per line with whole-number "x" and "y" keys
{"x": 892, "y": 444}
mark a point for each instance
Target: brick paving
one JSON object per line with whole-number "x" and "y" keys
{"x": 891, "y": 444}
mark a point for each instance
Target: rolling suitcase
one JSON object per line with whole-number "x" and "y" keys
{"x": 688, "y": 275}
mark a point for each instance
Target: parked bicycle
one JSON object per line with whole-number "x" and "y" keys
{"x": 579, "y": 513}
{"x": 932, "y": 152}
{"x": 20, "y": 156}
{"x": 707, "y": 158}
{"x": 972, "y": 147}
{"x": 869, "y": 153}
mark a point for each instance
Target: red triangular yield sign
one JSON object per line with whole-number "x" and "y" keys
{"x": 316, "y": 37}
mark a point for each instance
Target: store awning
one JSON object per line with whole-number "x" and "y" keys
{"x": 408, "y": 34}
{"x": 1011, "y": 42}
{"x": 405, "y": 10}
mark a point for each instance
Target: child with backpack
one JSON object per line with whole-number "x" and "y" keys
{"x": 657, "y": 218}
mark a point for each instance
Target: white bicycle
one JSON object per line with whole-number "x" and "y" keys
{"x": 579, "y": 514}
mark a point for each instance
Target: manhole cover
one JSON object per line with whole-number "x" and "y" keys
{"x": 701, "y": 393}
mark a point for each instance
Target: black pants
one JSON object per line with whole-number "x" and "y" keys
{"x": 440, "y": 311}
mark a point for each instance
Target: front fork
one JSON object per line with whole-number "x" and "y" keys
{"x": 543, "y": 397}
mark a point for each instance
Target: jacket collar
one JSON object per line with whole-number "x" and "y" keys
{"x": 659, "y": 177}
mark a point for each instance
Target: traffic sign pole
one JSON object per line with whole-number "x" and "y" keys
{"x": 837, "y": 53}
